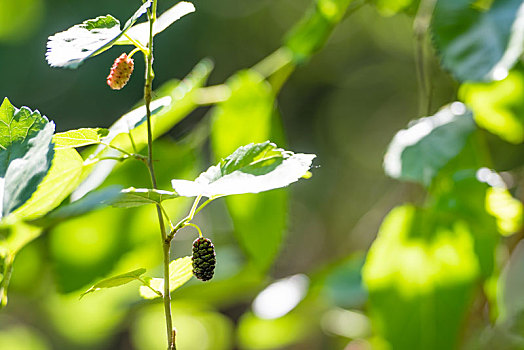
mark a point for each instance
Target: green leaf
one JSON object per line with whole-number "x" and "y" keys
{"x": 261, "y": 239}
{"x": 83, "y": 251}
{"x": 421, "y": 273}
{"x": 154, "y": 288}
{"x": 116, "y": 281}
{"x": 428, "y": 144}
{"x": 176, "y": 99}
{"x": 180, "y": 271}
{"x": 79, "y": 137}
{"x": 63, "y": 177}
{"x": 26, "y": 152}
{"x": 498, "y": 106}
{"x": 507, "y": 210}
{"x": 249, "y": 116}
{"x": 14, "y": 235}
{"x": 140, "y": 32}
{"x": 134, "y": 197}
{"x": 391, "y": 7}
{"x": 70, "y": 48}
{"x": 479, "y": 44}
{"x": 253, "y": 168}
{"x": 246, "y": 116}
{"x": 312, "y": 32}
{"x": 92, "y": 201}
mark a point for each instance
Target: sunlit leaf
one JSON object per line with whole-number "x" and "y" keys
{"x": 14, "y": 235}
{"x": 116, "y": 281}
{"x": 83, "y": 251}
{"x": 420, "y": 273}
{"x": 460, "y": 191}
{"x": 312, "y": 32}
{"x": 180, "y": 271}
{"x": 92, "y": 201}
{"x": 498, "y": 106}
{"x": 392, "y": 7}
{"x": 79, "y": 137}
{"x": 26, "y": 152}
{"x": 134, "y": 197}
{"x": 175, "y": 101}
{"x": 248, "y": 115}
{"x": 154, "y": 288}
{"x": 70, "y": 48}
{"x": 252, "y": 168}
{"x": 428, "y": 144}
{"x": 62, "y": 178}
{"x": 505, "y": 208}
{"x": 479, "y": 44}
{"x": 140, "y": 32}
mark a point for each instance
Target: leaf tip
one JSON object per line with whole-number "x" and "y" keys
{"x": 6, "y": 100}
{"x": 90, "y": 290}
{"x": 308, "y": 175}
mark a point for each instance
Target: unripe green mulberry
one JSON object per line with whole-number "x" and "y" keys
{"x": 120, "y": 72}
{"x": 204, "y": 259}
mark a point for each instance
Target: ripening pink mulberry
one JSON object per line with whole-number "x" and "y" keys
{"x": 120, "y": 72}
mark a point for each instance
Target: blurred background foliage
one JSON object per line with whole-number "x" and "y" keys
{"x": 291, "y": 263}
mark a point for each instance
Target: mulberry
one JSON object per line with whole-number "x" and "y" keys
{"x": 204, "y": 259}
{"x": 120, "y": 72}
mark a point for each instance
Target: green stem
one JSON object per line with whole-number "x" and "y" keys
{"x": 8, "y": 269}
{"x": 166, "y": 244}
{"x": 171, "y": 227}
{"x": 193, "y": 208}
{"x": 135, "y": 155}
{"x": 88, "y": 162}
{"x": 187, "y": 220}
{"x": 420, "y": 28}
{"x": 137, "y": 44}
{"x": 274, "y": 62}
{"x": 206, "y": 203}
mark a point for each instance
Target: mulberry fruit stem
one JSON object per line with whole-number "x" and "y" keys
{"x": 135, "y": 50}
{"x": 195, "y": 226}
